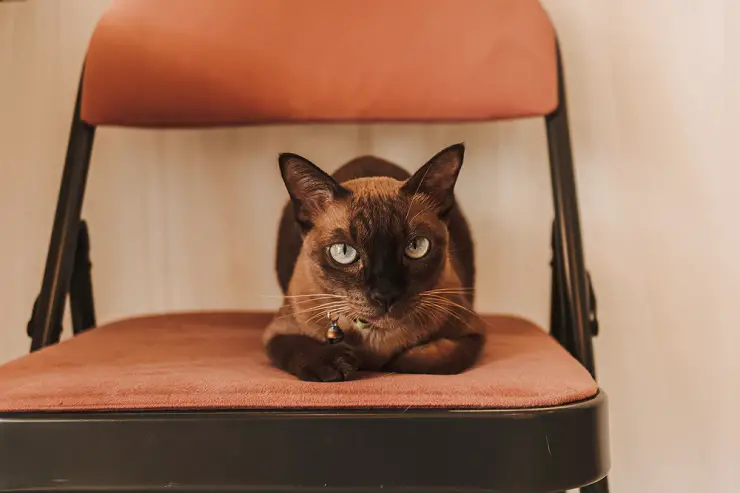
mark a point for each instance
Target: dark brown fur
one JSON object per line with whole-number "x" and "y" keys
{"x": 375, "y": 206}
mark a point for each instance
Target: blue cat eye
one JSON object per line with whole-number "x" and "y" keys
{"x": 417, "y": 247}
{"x": 343, "y": 253}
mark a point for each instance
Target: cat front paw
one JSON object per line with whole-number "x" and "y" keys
{"x": 331, "y": 363}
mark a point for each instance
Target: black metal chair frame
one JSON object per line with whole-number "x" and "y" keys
{"x": 544, "y": 449}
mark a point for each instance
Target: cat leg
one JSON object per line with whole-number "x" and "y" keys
{"x": 439, "y": 356}
{"x": 306, "y": 357}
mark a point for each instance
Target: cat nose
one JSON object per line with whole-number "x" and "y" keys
{"x": 384, "y": 298}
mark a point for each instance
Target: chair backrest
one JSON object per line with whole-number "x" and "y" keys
{"x": 242, "y": 62}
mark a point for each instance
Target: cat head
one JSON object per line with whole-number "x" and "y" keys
{"x": 378, "y": 242}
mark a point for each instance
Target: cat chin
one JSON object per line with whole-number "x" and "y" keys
{"x": 387, "y": 321}
{"x": 393, "y": 317}
{"x": 383, "y": 323}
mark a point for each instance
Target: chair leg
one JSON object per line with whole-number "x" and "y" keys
{"x": 46, "y": 320}
{"x": 572, "y": 294}
{"x": 81, "y": 301}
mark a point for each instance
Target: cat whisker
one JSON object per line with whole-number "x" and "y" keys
{"x": 416, "y": 318}
{"x": 470, "y": 288}
{"x": 444, "y": 298}
{"x": 304, "y": 299}
{"x": 341, "y": 310}
{"x": 448, "y": 301}
{"x": 310, "y": 300}
{"x": 327, "y": 302}
{"x": 450, "y": 295}
{"x": 446, "y": 309}
{"x": 448, "y": 292}
{"x": 298, "y": 304}
{"x": 315, "y": 317}
{"x": 291, "y": 296}
{"x": 338, "y": 311}
{"x": 435, "y": 314}
{"x": 427, "y": 313}
{"x": 452, "y": 305}
{"x": 323, "y": 306}
{"x": 442, "y": 290}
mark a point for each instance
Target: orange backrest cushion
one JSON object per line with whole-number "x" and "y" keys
{"x": 224, "y": 62}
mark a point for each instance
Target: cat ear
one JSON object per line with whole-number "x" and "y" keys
{"x": 309, "y": 187}
{"x": 438, "y": 176}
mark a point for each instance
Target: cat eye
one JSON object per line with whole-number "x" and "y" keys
{"x": 417, "y": 247}
{"x": 343, "y": 253}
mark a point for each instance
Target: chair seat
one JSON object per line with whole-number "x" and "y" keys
{"x": 189, "y": 401}
{"x": 216, "y": 361}
{"x": 205, "y": 63}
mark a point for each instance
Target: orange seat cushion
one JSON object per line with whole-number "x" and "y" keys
{"x": 206, "y": 62}
{"x": 216, "y": 361}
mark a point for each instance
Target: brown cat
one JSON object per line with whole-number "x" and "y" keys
{"x": 390, "y": 254}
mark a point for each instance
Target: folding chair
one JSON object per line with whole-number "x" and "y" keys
{"x": 187, "y": 401}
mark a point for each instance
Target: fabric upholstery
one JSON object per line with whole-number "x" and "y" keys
{"x": 207, "y": 63}
{"x": 216, "y": 361}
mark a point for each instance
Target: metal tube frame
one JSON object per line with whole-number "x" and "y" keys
{"x": 46, "y": 320}
{"x": 67, "y": 271}
{"x": 571, "y": 297}
{"x": 573, "y": 319}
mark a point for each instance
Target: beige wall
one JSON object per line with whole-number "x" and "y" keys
{"x": 185, "y": 219}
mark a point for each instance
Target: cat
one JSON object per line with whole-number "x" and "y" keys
{"x": 388, "y": 253}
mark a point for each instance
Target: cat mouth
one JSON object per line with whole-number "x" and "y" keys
{"x": 380, "y": 319}
{"x": 369, "y": 317}
{"x": 370, "y": 321}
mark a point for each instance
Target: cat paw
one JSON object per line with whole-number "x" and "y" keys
{"x": 332, "y": 363}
